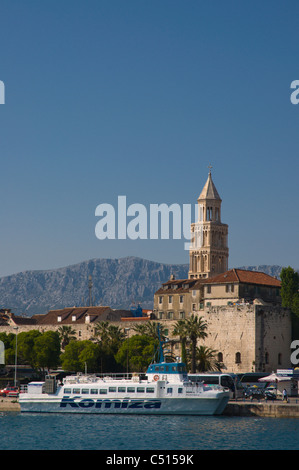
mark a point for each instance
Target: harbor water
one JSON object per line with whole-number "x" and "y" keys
{"x": 125, "y": 432}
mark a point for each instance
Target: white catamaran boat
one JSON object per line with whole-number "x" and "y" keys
{"x": 164, "y": 389}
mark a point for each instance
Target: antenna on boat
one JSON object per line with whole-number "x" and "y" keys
{"x": 90, "y": 289}
{"x": 161, "y": 354}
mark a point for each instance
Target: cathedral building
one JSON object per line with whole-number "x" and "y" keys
{"x": 246, "y": 323}
{"x": 209, "y": 243}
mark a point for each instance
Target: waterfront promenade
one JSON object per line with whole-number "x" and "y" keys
{"x": 270, "y": 409}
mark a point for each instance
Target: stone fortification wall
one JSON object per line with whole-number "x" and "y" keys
{"x": 251, "y": 338}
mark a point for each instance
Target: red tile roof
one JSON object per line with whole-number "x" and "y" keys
{"x": 183, "y": 285}
{"x": 245, "y": 277}
{"x": 66, "y": 314}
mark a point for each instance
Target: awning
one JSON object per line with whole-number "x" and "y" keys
{"x": 275, "y": 378}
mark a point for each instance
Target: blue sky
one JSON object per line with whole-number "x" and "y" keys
{"x": 136, "y": 98}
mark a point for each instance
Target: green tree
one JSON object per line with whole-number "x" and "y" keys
{"x": 89, "y": 356}
{"x": 295, "y": 304}
{"x": 180, "y": 329}
{"x": 47, "y": 350}
{"x": 66, "y": 335}
{"x": 150, "y": 328}
{"x": 26, "y": 351}
{"x": 137, "y": 352}
{"x": 111, "y": 336}
{"x": 77, "y": 354}
{"x": 289, "y": 288}
{"x": 290, "y": 296}
{"x": 206, "y": 360}
{"x": 196, "y": 329}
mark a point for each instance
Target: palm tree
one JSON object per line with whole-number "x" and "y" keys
{"x": 206, "y": 360}
{"x": 150, "y": 329}
{"x": 196, "y": 329}
{"x": 180, "y": 329}
{"x": 66, "y": 335}
{"x": 110, "y": 336}
{"x": 101, "y": 330}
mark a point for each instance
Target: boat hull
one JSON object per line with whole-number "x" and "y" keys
{"x": 160, "y": 406}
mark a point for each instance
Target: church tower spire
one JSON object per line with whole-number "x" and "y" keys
{"x": 209, "y": 248}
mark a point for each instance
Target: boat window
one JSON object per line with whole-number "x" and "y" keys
{"x": 121, "y": 389}
{"x": 85, "y": 391}
{"x": 103, "y": 391}
{"x": 156, "y": 368}
{"x": 169, "y": 390}
{"x": 131, "y": 389}
{"x": 228, "y": 382}
{"x": 166, "y": 368}
{"x": 76, "y": 390}
{"x": 67, "y": 390}
{"x": 140, "y": 389}
{"x": 94, "y": 391}
{"x": 112, "y": 389}
{"x": 150, "y": 390}
{"x": 209, "y": 380}
{"x": 180, "y": 390}
{"x": 174, "y": 368}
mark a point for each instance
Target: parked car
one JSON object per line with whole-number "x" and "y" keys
{"x": 269, "y": 395}
{"x": 253, "y": 393}
{"x": 9, "y": 392}
{"x": 259, "y": 394}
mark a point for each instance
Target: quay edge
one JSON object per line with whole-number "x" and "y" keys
{"x": 8, "y": 404}
{"x": 262, "y": 409}
{"x": 233, "y": 408}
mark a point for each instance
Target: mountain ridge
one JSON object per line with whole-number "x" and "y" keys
{"x": 116, "y": 282}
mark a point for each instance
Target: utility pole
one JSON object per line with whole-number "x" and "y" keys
{"x": 90, "y": 289}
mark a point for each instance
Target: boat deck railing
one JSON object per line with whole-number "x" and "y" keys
{"x": 81, "y": 378}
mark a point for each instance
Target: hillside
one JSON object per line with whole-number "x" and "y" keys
{"x": 116, "y": 283}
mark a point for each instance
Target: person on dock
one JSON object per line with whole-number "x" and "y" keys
{"x": 285, "y": 395}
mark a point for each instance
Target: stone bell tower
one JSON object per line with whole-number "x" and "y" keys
{"x": 209, "y": 247}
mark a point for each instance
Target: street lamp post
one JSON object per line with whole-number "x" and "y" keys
{"x": 127, "y": 332}
{"x": 16, "y": 354}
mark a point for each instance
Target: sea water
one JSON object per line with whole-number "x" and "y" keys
{"x": 126, "y": 432}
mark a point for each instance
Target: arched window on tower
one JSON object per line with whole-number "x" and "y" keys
{"x": 209, "y": 213}
{"x": 238, "y": 358}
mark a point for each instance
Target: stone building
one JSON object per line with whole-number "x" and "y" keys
{"x": 209, "y": 242}
{"x": 247, "y": 326}
{"x": 82, "y": 320}
{"x": 176, "y": 299}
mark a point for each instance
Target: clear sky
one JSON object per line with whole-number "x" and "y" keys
{"x": 111, "y": 97}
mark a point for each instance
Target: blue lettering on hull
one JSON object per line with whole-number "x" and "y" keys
{"x": 107, "y": 404}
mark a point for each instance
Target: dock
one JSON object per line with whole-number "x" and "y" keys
{"x": 9, "y": 404}
{"x": 270, "y": 409}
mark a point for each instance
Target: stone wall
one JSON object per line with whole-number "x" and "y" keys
{"x": 251, "y": 338}
{"x": 244, "y": 334}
